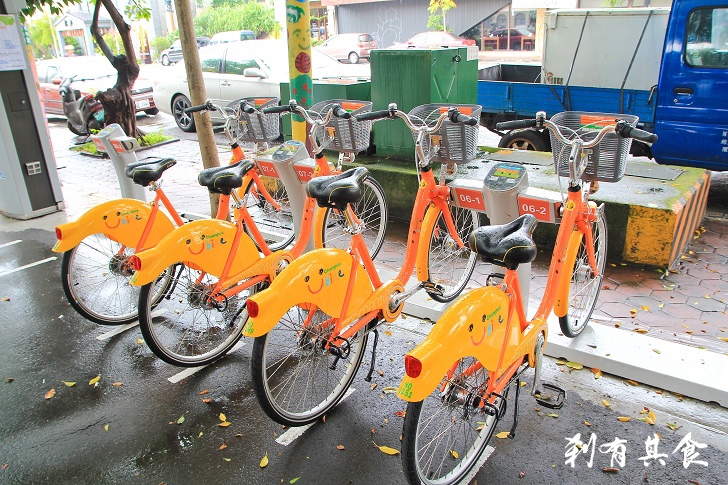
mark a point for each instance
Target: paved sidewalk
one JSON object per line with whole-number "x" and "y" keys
{"x": 686, "y": 305}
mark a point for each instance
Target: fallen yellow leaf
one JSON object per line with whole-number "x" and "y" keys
{"x": 223, "y": 417}
{"x": 503, "y": 434}
{"x": 118, "y": 384}
{"x": 640, "y": 330}
{"x": 181, "y": 419}
{"x": 94, "y": 380}
{"x": 69, "y": 384}
{"x": 264, "y": 461}
{"x": 387, "y": 449}
{"x": 387, "y": 333}
{"x": 633, "y": 312}
{"x": 656, "y": 351}
{"x": 645, "y": 308}
{"x": 631, "y": 382}
{"x": 207, "y": 400}
{"x": 202, "y": 393}
{"x": 454, "y": 454}
{"x": 140, "y": 341}
{"x": 224, "y": 424}
{"x": 597, "y": 373}
{"x": 574, "y": 365}
{"x": 587, "y": 423}
{"x": 624, "y": 419}
{"x": 560, "y": 362}
{"x": 606, "y": 403}
{"x": 340, "y": 447}
{"x": 50, "y": 394}
{"x": 106, "y": 427}
{"x": 553, "y": 415}
{"x": 222, "y": 446}
{"x": 724, "y": 339}
{"x": 389, "y": 390}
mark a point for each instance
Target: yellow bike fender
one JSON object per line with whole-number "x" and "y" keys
{"x": 561, "y": 305}
{"x": 474, "y": 325}
{"x": 205, "y": 245}
{"x": 121, "y": 220}
{"x": 423, "y": 247}
{"x": 320, "y": 277}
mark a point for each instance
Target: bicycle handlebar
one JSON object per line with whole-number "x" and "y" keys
{"x": 624, "y": 130}
{"x": 517, "y": 124}
{"x": 246, "y": 108}
{"x": 203, "y": 107}
{"x": 276, "y": 109}
{"x": 456, "y": 117}
{"x": 375, "y": 115}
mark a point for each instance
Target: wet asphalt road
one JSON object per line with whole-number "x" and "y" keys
{"x": 125, "y": 429}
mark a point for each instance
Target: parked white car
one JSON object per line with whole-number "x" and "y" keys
{"x": 238, "y": 70}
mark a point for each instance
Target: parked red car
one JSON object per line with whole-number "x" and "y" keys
{"x": 435, "y": 39}
{"x": 92, "y": 74}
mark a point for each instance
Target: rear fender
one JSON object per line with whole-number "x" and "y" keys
{"x": 319, "y": 277}
{"x": 204, "y": 245}
{"x": 121, "y": 220}
{"x": 475, "y": 325}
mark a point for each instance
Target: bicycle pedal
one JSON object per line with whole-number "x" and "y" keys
{"x": 431, "y": 287}
{"x": 552, "y": 400}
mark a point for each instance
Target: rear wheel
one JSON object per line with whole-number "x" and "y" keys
{"x": 371, "y": 210}
{"x": 165, "y": 60}
{"x": 584, "y": 288}
{"x": 95, "y": 277}
{"x": 445, "y": 436}
{"x": 276, "y": 226}
{"x": 190, "y": 326}
{"x": 185, "y": 121}
{"x": 353, "y": 57}
{"x": 450, "y": 266}
{"x": 292, "y": 370}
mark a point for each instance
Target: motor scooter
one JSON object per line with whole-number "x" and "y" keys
{"x": 84, "y": 113}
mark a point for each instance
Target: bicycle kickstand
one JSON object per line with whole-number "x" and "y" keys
{"x": 368, "y": 378}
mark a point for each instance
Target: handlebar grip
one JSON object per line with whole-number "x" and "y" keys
{"x": 456, "y": 117}
{"x": 202, "y": 107}
{"x": 374, "y": 115}
{"x": 626, "y": 131}
{"x": 513, "y": 125}
{"x": 277, "y": 109}
{"x": 340, "y": 112}
{"x": 245, "y": 107}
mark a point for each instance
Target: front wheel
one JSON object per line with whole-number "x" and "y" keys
{"x": 525, "y": 140}
{"x": 373, "y": 213}
{"x": 353, "y": 57}
{"x": 296, "y": 378}
{"x": 192, "y": 326}
{"x": 276, "y": 226}
{"x": 584, "y": 287}
{"x": 450, "y": 266}
{"x": 445, "y": 436}
{"x": 185, "y": 121}
{"x": 165, "y": 60}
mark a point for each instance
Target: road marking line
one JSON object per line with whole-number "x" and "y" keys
{"x": 29, "y": 265}
{"x": 289, "y": 436}
{"x": 124, "y": 328}
{"x": 11, "y": 243}
{"x": 191, "y": 370}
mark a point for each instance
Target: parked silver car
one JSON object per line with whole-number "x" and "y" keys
{"x": 241, "y": 69}
{"x": 349, "y": 46}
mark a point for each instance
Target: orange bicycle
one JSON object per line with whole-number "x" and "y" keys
{"x": 97, "y": 247}
{"x": 312, "y": 324}
{"x": 217, "y": 264}
{"x": 457, "y": 380}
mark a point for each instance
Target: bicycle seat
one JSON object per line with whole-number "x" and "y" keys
{"x": 338, "y": 190}
{"x": 146, "y": 171}
{"x": 223, "y": 180}
{"x": 508, "y": 244}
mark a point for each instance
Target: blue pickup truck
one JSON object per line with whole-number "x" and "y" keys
{"x": 687, "y": 109}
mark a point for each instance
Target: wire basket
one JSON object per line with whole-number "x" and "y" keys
{"x": 257, "y": 127}
{"x": 458, "y": 142}
{"x": 340, "y": 134}
{"x": 606, "y": 161}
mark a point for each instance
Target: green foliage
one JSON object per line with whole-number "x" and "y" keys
{"x": 154, "y": 138}
{"x": 434, "y": 22}
{"x": 158, "y": 44}
{"x": 73, "y": 41}
{"x": 226, "y": 3}
{"x": 254, "y": 16}
{"x": 113, "y": 40}
{"x": 442, "y": 5}
{"x": 41, "y": 36}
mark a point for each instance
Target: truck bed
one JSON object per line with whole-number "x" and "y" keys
{"x": 507, "y": 100}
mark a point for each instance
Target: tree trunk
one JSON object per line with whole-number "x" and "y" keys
{"x": 196, "y": 84}
{"x": 117, "y": 101}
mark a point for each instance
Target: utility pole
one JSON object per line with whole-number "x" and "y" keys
{"x": 196, "y": 83}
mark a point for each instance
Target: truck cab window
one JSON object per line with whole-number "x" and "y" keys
{"x": 707, "y": 38}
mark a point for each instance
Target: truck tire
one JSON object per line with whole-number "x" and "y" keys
{"x": 525, "y": 140}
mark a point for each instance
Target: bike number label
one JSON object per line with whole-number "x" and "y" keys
{"x": 541, "y": 209}
{"x": 470, "y": 199}
{"x": 304, "y": 173}
{"x": 267, "y": 169}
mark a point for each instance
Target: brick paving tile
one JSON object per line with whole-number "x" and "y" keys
{"x": 658, "y": 284}
{"x": 690, "y": 290}
{"x": 704, "y": 274}
{"x": 610, "y": 296}
{"x": 720, "y": 267}
{"x": 616, "y": 310}
{"x": 630, "y": 289}
{"x": 713, "y": 258}
{"x": 656, "y": 318}
{"x": 707, "y": 305}
{"x": 668, "y": 296}
{"x": 641, "y": 300}
{"x": 681, "y": 311}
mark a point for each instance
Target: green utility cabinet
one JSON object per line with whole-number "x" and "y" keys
{"x": 412, "y": 77}
{"x": 323, "y": 90}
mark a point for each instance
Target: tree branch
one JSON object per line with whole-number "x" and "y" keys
{"x": 97, "y": 35}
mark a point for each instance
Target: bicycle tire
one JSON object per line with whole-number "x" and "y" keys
{"x": 276, "y": 226}
{"x": 584, "y": 287}
{"x": 290, "y": 356}
{"x": 450, "y": 267}
{"x": 372, "y": 210}
{"x": 186, "y": 330}
{"x": 448, "y": 450}
{"x": 95, "y": 280}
